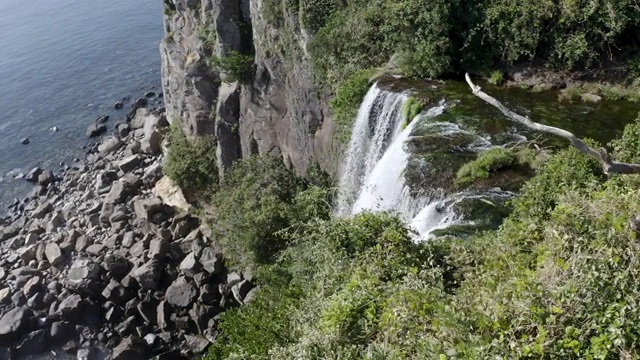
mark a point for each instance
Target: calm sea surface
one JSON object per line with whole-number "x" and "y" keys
{"x": 63, "y": 63}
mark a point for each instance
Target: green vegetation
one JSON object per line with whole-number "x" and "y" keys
{"x": 345, "y": 104}
{"x": 492, "y": 161}
{"x": 411, "y": 108}
{"x": 235, "y": 66}
{"x": 557, "y": 280}
{"x": 169, "y": 8}
{"x": 191, "y": 163}
{"x": 497, "y": 78}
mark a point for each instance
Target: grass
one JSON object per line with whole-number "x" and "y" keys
{"x": 410, "y": 109}
{"x": 497, "y": 78}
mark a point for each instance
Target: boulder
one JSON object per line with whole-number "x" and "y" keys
{"x": 46, "y": 178}
{"x": 71, "y": 308}
{"x": 110, "y": 145}
{"x": 123, "y": 130}
{"x": 212, "y": 260}
{"x": 240, "y": 290}
{"x": 102, "y": 119}
{"x": 32, "y": 176}
{"x": 180, "y": 293}
{"x": 148, "y": 275}
{"x": 151, "y": 144}
{"x": 129, "y": 163}
{"x": 118, "y": 105}
{"x": 56, "y": 221}
{"x": 158, "y": 249}
{"x": 130, "y": 348}
{"x": 151, "y": 209}
{"x": 171, "y": 194}
{"x": 116, "y": 265}
{"x": 7, "y": 232}
{"x": 83, "y": 277}
{"x": 32, "y": 286}
{"x": 61, "y": 331}
{"x": 13, "y": 324}
{"x": 189, "y": 265}
{"x": 96, "y": 129}
{"x": 197, "y": 344}
{"x": 117, "y": 194}
{"x": 34, "y": 343}
{"x": 54, "y": 254}
{"x": 42, "y": 210}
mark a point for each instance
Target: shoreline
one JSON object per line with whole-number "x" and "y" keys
{"x": 96, "y": 256}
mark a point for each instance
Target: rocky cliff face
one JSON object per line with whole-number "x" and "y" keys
{"x": 276, "y": 110}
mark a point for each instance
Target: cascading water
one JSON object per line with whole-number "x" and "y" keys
{"x": 372, "y": 178}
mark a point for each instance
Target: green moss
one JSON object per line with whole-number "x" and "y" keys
{"x": 410, "y": 109}
{"x": 488, "y": 162}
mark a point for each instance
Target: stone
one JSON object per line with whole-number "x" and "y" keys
{"x": 96, "y": 249}
{"x": 211, "y": 260}
{"x": 150, "y": 209}
{"x": 46, "y": 178}
{"x": 128, "y": 239}
{"x": 61, "y": 331}
{"x": 102, "y": 119}
{"x": 129, "y": 163}
{"x": 5, "y": 296}
{"x": 201, "y": 314}
{"x": 189, "y": 266}
{"x": 42, "y": 210}
{"x": 233, "y": 278}
{"x": 117, "y": 265}
{"x": 163, "y": 315}
{"x": 115, "y": 292}
{"x": 240, "y": 290}
{"x": 71, "y": 308}
{"x": 32, "y": 176}
{"x": 56, "y": 222}
{"x": 8, "y": 232}
{"x": 209, "y": 294}
{"x": 250, "y": 295}
{"x": 25, "y": 141}
{"x": 592, "y": 98}
{"x": 151, "y": 145}
{"x": 123, "y": 130}
{"x": 83, "y": 277}
{"x": 18, "y": 298}
{"x": 36, "y": 302}
{"x": 96, "y": 129}
{"x": 13, "y": 324}
{"x": 118, "y": 105}
{"x": 180, "y": 293}
{"x": 32, "y": 286}
{"x": 31, "y": 239}
{"x": 83, "y": 243}
{"x": 117, "y": 194}
{"x": 148, "y": 275}
{"x": 198, "y": 344}
{"x": 152, "y": 174}
{"x": 158, "y": 249}
{"x": 130, "y": 348}
{"x": 110, "y": 145}
{"x": 171, "y": 194}
{"x": 113, "y": 241}
{"x": 54, "y": 254}
{"x": 33, "y": 343}
{"x": 28, "y": 253}
{"x": 147, "y": 310}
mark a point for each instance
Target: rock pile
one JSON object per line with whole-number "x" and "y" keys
{"x": 95, "y": 258}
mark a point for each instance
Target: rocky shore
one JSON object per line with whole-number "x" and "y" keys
{"x": 106, "y": 255}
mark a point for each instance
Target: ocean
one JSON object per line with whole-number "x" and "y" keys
{"x": 64, "y": 63}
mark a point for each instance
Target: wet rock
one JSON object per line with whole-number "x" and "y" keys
{"x": 102, "y": 119}
{"x": 96, "y": 129}
{"x": 25, "y": 141}
{"x": 13, "y": 324}
{"x": 148, "y": 275}
{"x": 54, "y": 254}
{"x": 150, "y": 94}
{"x": 130, "y": 348}
{"x": 32, "y": 176}
{"x": 123, "y": 130}
{"x": 118, "y": 105}
{"x": 180, "y": 293}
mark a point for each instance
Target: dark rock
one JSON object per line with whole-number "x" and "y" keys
{"x": 211, "y": 260}
{"x": 150, "y": 94}
{"x": 209, "y": 294}
{"x": 13, "y": 324}
{"x": 115, "y": 292}
{"x": 8, "y": 232}
{"x": 129, "y": 163}
{"x": 181, "y": 293}
{"x": 151, "y": 209}
{"x": 201, "y": 314}
{"x": 33, "y": 343}
{"x": 169, "y": 355}
{"x": 114, "y": 315}
{"x": 19, "y": 299}
{"x": 116, "y": 265}
{"x": 32, "y": 176}
{"x": 36, "y": 302}
{"x": 158, "y": 249}
{"x": 32, "y": 286}
{"x": 96, "y": 129}
{"x": 147, "y": 309}
{"x": 102, "y": 119}
{"x": 118, "y": 105}
{"x": 123, "y": 130}
{"x": 189, "y": 266}
{"x": 83, "y": 277}
{"x": 25, "y": 141}
{"x": 148, "y": 275}
{"x": 71, "y": 308}
{"x": 61, "y": 331}
{"x": 130, "y": 348}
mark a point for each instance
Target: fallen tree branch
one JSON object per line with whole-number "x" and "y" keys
{"x": 608, "y": 166}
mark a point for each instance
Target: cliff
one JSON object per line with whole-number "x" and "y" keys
{"x": 275, "y": 108}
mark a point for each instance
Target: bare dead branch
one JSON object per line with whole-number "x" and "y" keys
{"x": 608, "y": 166}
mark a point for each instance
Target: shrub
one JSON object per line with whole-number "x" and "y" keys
{"x": 345, "y": 105}
{"x": 235, "y": 66}
{"x": 191, "y": 163}
{"x": 169, "y": 8}
{"x": 570, "y": 94}
{"x": 497, "y": 78}
{"x": 488, "y": 162}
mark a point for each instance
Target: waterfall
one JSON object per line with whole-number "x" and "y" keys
{"x": 378, "y": 122}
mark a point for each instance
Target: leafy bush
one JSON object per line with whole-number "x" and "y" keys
{"x": 191, "y": 163}
{"x": 345, "y": 105}
{"x": 497, "y": 78}
{"x": 235, "y": 66}
{"x": 258, "y": 199}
